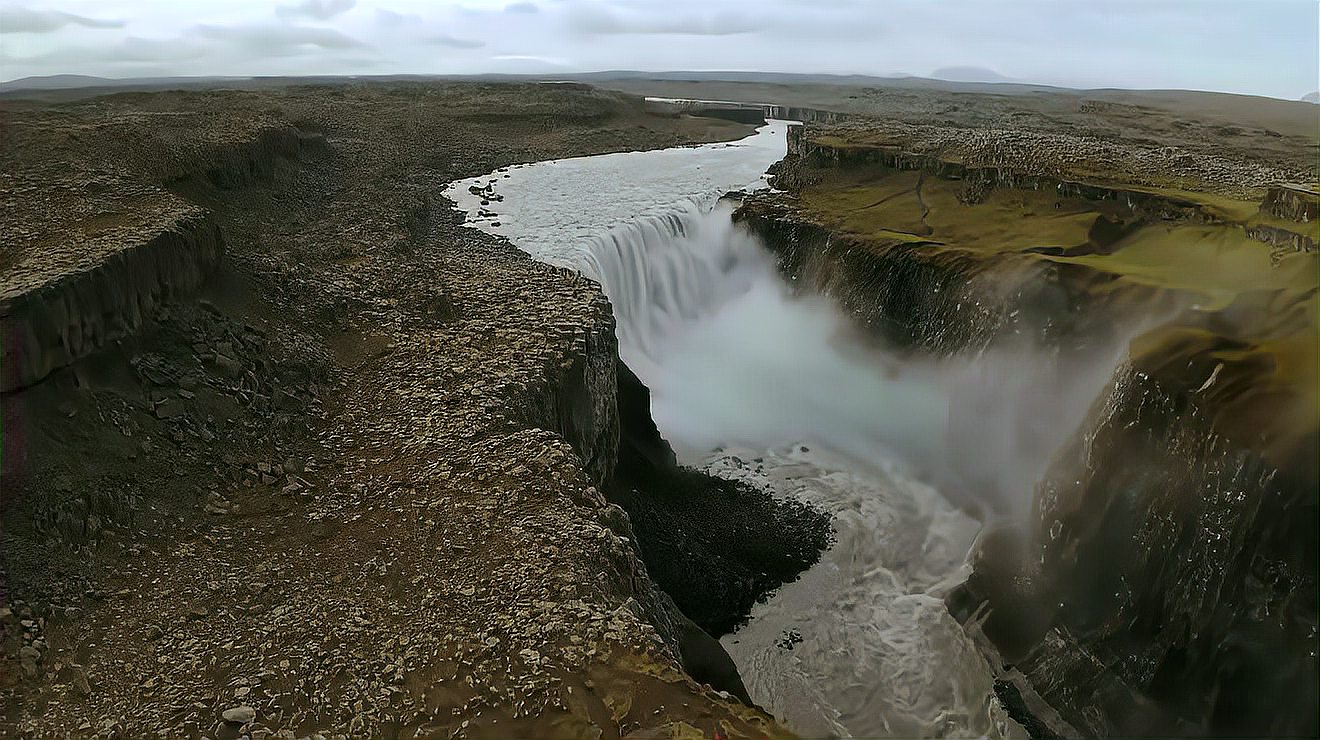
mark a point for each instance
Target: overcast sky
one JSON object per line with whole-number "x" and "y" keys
{"x": 1266, "y": 47}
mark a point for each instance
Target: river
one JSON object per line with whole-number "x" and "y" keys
{"x": 750, "y": 381}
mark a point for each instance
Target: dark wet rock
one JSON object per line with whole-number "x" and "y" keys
{"x": 1189, "y": 553}
{"x": 642, "y": 451}
{"x": 706, "y": 660}
{"x": 716, "y": 546}
{"x": 719, "y": 546}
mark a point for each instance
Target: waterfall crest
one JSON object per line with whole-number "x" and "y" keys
{"x": 665, "y": 272}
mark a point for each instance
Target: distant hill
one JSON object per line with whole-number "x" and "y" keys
{"x": 897, "y": 80}
{"x": 73, "y": 82}
{"x": 54, "y": 82}
{"x": 948, "y": 79}
{"x": 969, "y": 74}
{"x": 73, "y": 86}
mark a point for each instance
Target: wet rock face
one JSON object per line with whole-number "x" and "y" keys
{"x": 716, "y": 546}
{"x": 1190, "y": 557}
{"x": 1178, "y": 565}
{"x": 642, "y": 451}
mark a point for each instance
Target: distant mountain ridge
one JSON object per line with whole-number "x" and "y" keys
{"x": 72, "y": 82}
{"x": 950, "y": 79}
{"x": 52, "y": 83}
{"x": 970, "y": 74}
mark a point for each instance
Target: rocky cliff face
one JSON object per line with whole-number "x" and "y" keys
{"x": 938, "y": 302}
{"x": 1168, "y": 571}
{"x": 974, "y": 164}
{"x": 94, "y": 257}
{"x": 49, "y": 324}
{"x": 1184, "y": 563}
{"x": 1292, "y": 202}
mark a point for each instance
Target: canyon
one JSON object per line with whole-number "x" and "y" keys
{"x": 1163, "y": 571}
{"x": 292, "y": 447}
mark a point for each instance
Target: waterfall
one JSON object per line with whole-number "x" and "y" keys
{"x": 667, "y": 271}
{"x": 755, "y": 382}
{"x": 733, "y": 357}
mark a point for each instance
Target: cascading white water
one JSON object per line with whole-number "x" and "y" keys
{"x": 667, "y": 271}
{"x": 732, "y": 357}
{"x": 752, "y": 382}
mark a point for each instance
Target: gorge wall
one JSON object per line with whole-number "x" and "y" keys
{"x": 48, "y": 324}
{"x": 1163, "y": 580}
{"x": 132, "y": 246}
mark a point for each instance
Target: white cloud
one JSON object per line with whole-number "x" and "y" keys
{"x": 321, "y": 10}
{"x": 280, "y": 40}
{"x": 552, "y": 61}
{"x": 23, "y": 20}
{"x": 391, "y": 19}
{"x": 1263, "y": 46}
{"x": 600, "y": 18}
{"x": 442, "y": 39}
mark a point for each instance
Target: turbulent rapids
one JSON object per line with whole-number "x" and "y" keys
{"x": 750, "y": 381}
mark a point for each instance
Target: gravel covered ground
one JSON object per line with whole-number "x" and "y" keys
{"x": 355, "y": 488}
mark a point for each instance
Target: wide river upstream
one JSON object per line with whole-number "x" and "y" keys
{"x": 750, "y": 381}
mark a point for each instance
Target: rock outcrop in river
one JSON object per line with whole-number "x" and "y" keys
{"x": 1162, "y": 578}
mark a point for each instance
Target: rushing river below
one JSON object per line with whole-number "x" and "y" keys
{"x": 749, "y": 381}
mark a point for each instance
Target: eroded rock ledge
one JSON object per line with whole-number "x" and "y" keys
{"x": 1165, "y": 582}
{"x": 49, "y": 324}
{"x": 1141, "y": 184}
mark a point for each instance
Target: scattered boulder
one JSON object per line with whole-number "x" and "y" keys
{"x": 240, "y": 715}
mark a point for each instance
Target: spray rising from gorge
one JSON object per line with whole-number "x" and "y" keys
{"x": 734, "y": 356}
{"x": 756, "y": 381}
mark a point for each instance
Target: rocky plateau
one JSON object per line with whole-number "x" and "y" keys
{"x": 289, "y": 453}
